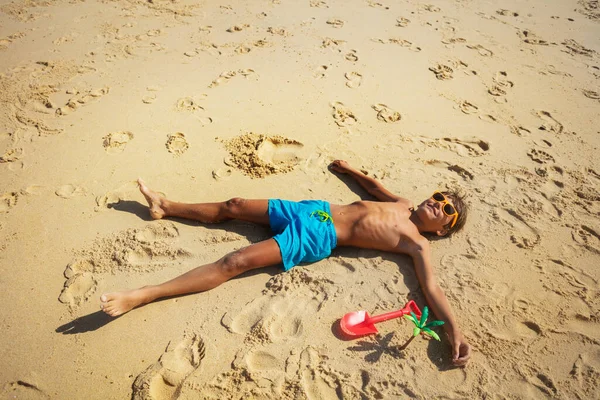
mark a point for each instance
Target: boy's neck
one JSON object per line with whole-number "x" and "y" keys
{"x": 414, "y": 218}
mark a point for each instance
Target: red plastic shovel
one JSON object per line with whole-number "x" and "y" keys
{"x": 360, "y": 323}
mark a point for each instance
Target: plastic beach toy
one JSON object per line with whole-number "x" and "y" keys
{"x": 360, "y": 323}
{"x": 421, "y": 326}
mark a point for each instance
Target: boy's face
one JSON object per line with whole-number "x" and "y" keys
{"x": 434, "y": 219}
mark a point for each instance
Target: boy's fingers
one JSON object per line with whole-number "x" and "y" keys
{"x": 455, "y": 352}
{"x": 457, "y": 358}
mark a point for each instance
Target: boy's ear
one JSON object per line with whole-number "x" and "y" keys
{"x": 442, "y": 232}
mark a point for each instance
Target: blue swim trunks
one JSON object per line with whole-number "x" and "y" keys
{"x": 304, "y": 230}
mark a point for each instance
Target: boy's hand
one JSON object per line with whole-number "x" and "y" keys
{"x": 461, "y": 350}
{"x": 340, "y": 166}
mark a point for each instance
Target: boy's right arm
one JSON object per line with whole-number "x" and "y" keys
{"x": 371, "y": 185}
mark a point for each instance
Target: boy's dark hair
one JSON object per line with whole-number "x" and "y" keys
{"x": 458, "y": 199}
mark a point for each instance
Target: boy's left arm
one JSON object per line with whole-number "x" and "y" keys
{"x": 461, "y": 350}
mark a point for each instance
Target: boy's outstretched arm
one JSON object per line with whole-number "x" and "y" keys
{"x": 371, "y": 185}
{"x": 461, "y": 350}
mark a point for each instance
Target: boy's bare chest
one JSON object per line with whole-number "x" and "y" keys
{"x": 377, "y": 227}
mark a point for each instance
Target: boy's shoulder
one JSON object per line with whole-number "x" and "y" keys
{"x": 405, "y": 203}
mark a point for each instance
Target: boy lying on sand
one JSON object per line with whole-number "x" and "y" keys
{"x": 307, "y": 232}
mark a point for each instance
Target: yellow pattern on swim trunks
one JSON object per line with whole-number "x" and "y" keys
{"x": 322, "y": 216}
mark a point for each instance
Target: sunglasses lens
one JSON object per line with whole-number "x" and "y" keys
{"x": 449, "y": 209}
{"x": 438, "y": 197}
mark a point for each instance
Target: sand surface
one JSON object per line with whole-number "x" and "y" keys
{"x": 212, "y": 100}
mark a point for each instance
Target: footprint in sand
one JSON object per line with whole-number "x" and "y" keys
{"x": 507, "y": 13}
{"x": 453, "y": 40}
{"x": 205, "y": 120}
{"x": 164, "y": 379}
{"x": 488, "y": 118}
{"x": 318, "y": 4}
{"x": 279, "y": 153}
{"x": 353, "y": 79}
{"x": 154, "y": 232}
{"x": 351, "y": 56}
{"x": 288, "y": 317}
{"x": 69, "y": 191}
{"x": 431, "y": 8}
{"x": 501, "y": 79}
{"x": 386, "y": 114}
{"x": 315, "y": 381}
{"x": 77, "y": 289}
{"x": 471, "y": 147}
{"x": 333, "y": 43}
{"x": 32, "y": 190}
{"x": 263, "y": 361}
{"x": 442, "y": 72}
{"x": 496, "y": 90}
{"x": 277, "y": 31}
{"x": 481, "y": 50}
{"x": 549, "y": 122}
{"x": 80, "y": 99}
{"x": 115, "y": 142}
{"x": 587, "y": 237}
{"x": 320, "y": 72}
{"x": 238, "y": 28}
{"x": 590, "y": 94}
{"x": 529, "y": 37}
{"x": 149, "y": 99}
{"x": 278, "y": 317}
{"x": 243, "y": 49}
{"x": 402, "y": 22}
{"x": 521, "y": 232}
{"x": 189, "y": 104}
{"x": 191, "y": 53}
{"x": 259, "y": 155}
{"x": 540, "y": 156}
{"x": 336, "y": 23}
{"x": 462, "y": 172}
{"x": 519, "y": 130}
{"x": 248, "y": 318}
{"x": 468, "y": 108}
{"x": 223, "y": 78}
{"x": 342, "y": 115}
{"x": 37, "y": 124}
{"x": 226, "y": 76}
{"x": 12, "y": 155}
{"x": 207, "y": 47}
{"x": 261, "y": 43}
{"x": 8, "y": 201}
{"x": 574, "y": 48}
{"x": 177, "y": 143}
{"x": 222, "y": 174}
{"x": 402, "y": 42}
{"x": 376, "y": 4}
{"x": 107, "y": 201}
{"x": 500, "y": 86}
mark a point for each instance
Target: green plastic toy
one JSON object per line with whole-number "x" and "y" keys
{"x": 421, "y": 327}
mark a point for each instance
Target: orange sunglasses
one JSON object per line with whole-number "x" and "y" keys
{"x": 448, "y": 208}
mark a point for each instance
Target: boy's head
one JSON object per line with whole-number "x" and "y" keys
{"x": 444, "y": 213}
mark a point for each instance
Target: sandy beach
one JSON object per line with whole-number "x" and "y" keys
{"x": 207, "y": 101}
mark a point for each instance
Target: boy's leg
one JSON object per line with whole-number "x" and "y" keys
{"x": 256, "y": 211}
{"x": 199, "y": 279}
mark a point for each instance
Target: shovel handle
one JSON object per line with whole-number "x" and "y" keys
{"x": 410, "y": 306}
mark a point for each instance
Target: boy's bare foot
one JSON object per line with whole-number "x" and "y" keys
{"x": 155, "y": 201}
{"x": 118, "y": 303}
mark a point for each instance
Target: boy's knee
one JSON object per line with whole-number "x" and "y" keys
{"x": 233, "y": 206}
{"x": 234, "y": 263}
